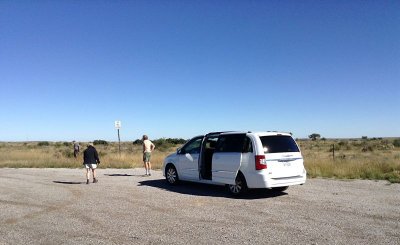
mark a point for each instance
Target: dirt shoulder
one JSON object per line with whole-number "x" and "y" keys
{"x": 55, "y": 206}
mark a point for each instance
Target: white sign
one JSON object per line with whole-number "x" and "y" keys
{"x": 117, "y": 124}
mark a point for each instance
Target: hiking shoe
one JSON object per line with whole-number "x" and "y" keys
{"x": 87, "y": 182}
{"x": 95, "y": 181}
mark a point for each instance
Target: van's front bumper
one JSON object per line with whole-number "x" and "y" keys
{"x": 262, "y": 180}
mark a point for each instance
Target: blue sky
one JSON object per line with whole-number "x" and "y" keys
{"x": 69, "y": 69}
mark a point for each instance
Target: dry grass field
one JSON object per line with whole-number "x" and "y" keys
{"x": 354, "y": 158}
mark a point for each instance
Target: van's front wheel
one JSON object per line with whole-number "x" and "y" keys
{"x": 171, "y": 175}
{"x": 239, "y": 187}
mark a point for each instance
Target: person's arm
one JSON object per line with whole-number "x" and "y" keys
{"x": 152, "y": 147}
{"x": 96, "y": 156}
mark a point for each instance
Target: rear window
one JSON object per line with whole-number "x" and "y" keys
{"x": 278, "y": 144}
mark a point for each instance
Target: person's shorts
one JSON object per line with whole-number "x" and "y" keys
{"x": 146, "y": 157}
{"x": 92, "y": 166}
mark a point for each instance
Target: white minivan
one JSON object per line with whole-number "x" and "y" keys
{"x": 240, "y": 160}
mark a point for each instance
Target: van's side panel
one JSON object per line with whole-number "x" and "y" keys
{"x": 225, "y": 166}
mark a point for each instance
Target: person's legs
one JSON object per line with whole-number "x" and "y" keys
{"x": 145, "y": 162}
{"x": 149, "y": 167}
{"x": 94, "y": 175}
{"x": 87, "y": 174}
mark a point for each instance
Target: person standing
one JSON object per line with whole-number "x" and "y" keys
{"x": 148, "y": 147}
{"x": 76, "y": 148}
{"x": 90, "y": 160}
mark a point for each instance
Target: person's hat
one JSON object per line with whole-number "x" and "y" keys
{"x": 90, "y": 144}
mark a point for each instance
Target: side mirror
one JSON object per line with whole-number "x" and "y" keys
{"x": 178, "y": 151}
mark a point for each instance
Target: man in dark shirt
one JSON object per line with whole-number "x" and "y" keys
{"x": 90, "y": 160}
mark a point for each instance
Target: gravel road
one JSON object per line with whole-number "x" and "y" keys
{"x": 55, "y": 206}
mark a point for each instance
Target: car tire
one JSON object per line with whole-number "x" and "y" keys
{"x": 171, "y": 175}
{"x": 280, "y": 189}
{"x": 240, "y": 186}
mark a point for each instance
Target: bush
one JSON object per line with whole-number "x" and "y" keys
{"x": 138, "y": 142}
{"x": 367, "y": 148}
{"x": 66, "y": 144}
{"x": 43, "y": 143}
{"x": 314, "y": 136}
{"x": 396, "y": 142}
{"x": 67, "y": 153}
{"x": 165, "y": 142}
{"x": 162, "y": 144}
{"x": 102, "y": 154}
{"x": 100, "y": 142}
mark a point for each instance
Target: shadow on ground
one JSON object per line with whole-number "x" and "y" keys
{"x": 120, "y": 175}
{"x": 198, "y": 189}
{"x": 68, "y": 182}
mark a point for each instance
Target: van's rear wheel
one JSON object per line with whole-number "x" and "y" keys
{"x": 239, "y": 187}
{"x": 171, "y": 175}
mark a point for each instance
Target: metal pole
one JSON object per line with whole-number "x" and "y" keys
{"x": 119, "y": 144}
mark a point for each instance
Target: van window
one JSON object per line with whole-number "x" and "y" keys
{"x": 192, "y": 147}
{"x": 278, "y": 144}
{"x": 248, "y": 146}
{"x": 230, "y": 143}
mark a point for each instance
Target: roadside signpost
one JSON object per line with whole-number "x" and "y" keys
{"x": 117, "y": 125}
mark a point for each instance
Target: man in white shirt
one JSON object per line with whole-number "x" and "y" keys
{"x": 148, "y": 147}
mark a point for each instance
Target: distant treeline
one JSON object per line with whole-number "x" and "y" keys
{"x": 163, "y": 141}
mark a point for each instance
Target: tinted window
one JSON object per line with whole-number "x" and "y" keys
{"x": 231, "y": 143}
{"x": 248, "y": 146}
{"x": 192, "y": 147}
{"x": 278, "y": 143}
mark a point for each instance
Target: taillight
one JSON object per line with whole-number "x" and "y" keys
{"x": 261, "y": 162}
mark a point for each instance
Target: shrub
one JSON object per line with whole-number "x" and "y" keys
{"x": 138, "y": 142}
{"x": 367, "y": 148}
{"x": 337, "y": 148}
{"x": 314, "y": 136}
{"x": 176, "y": 141}
{"x": 162, "y": 144}
{"x": 66, "y": 143}
{"x": 102, "y": 154}
{"x": 67, "y": 153}
{"x": 163, "y": 141}
{"x": 43, "y": 143}
{"x": 396, "y": 142}
{"x": 100, "y": 142}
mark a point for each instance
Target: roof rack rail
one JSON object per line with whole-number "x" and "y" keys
{"x": 211, "y": 133}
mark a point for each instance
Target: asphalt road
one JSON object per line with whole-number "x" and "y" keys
{"x": 55, "y": 206}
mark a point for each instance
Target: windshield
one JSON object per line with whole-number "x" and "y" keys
{"x": 278, "y": 144}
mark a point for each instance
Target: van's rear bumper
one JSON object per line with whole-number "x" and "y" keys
{"x": 262, "y": 180}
